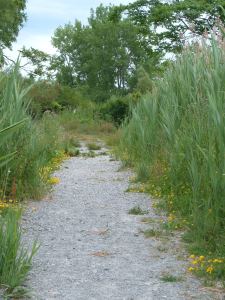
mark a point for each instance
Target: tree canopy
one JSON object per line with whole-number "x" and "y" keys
{"x": 12, "y": 17}
{"x": 173, "y": 20}
{"x": 103, "y": 55}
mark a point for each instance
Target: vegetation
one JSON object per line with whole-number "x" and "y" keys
{"x": 137, "y": 210}
{"x": 173, "y": 21}
{"x": 11, "y": 20}
{"x": 111, "y": 79}
{"x": 15, "y": 260}
{"x": 176, "y": 139}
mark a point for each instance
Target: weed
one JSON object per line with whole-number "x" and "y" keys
{"x": 170, "y": 278}
{"x": 90, "y": 154}
{"x": 152, "y": 233}
{"x": 93, "y": 146}
{"x": 137, "y": 210}
{"x": 148, "y": 220}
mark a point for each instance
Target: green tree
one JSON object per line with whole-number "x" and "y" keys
{"x": 103, "y": 55}
{"x": 174, "y": 20}
{"x": 12, "y": 17}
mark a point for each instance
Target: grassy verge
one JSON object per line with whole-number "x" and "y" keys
{"x": 176, "y": 143}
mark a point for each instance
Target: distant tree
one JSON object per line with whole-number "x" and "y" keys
{"x": 103, "y": 55}
{"x": 12, "y": 17}
{"x": 38, "y": 60}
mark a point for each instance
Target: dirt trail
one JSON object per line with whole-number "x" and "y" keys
{"x": 91, "y": 248}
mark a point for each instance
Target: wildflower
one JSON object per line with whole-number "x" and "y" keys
{"x": 216, "y": 260}
{"x": 210, "y": 269}
{"x": 201, "y": 258}
{"x": 194, "y": 262}
{"x": 192, "y": 256}
{"x": 191, "y": 269}
{"x": 54, "y": 180}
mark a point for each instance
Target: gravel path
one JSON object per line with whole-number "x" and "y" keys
{"x": 91, "y": 248}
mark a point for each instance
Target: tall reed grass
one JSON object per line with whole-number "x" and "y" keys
{"x": 176, "y": 140}
{"x": 34, "y": 144}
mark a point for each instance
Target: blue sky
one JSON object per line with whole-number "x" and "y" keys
{"x": 44, "y": 16}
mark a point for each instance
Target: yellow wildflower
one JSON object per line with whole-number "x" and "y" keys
{"x": 210, "y": 269}
{"x": 54, "y": 180}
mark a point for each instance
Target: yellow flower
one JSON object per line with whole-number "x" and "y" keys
{"x": 192, "y": 256}
{"x": 210, "y": 269}
{"x": 201, "y": 258}
{"x": 54, "y": 180}
{"x": 191, "y": 269}
{"x": 216, "y": 260}
{"x": 194, "y": 262}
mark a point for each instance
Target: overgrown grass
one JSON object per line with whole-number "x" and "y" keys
{"x": 35, "y": 143}
{"x": 176, "y": 141}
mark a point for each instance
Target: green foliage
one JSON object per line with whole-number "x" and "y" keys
{"x": 137, "y": 210}
{"x": 177, "y": 133}
{"x": 93, "y": 146}
{"x": 37, "y": 58}
{"x": 107, "y": 64}
{"x": 53, "y": 97}
{"x": 34, "y": 143}
{"x": 11, "y": 19}
{"x": 173, "y": 21}
{"x": 15, "y": 260}
{"x": 116, "y": 109}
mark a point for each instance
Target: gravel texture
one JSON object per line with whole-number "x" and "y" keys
{"x": 91, "y": 248}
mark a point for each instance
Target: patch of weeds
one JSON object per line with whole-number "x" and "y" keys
{"x": 72, "y": 151}
{"x": 170, "y": 278}
{"x": 136, "y": 189}
{"x": 137, "y": 210}
{"x": 162, "y": 248}
{"x": 90, "y": 154}
{"x": 152, "y": 233}
{"x": 103, "y": 153}
{"x": 93, "y": 147}
{"x": 148, "y": 221}
{"x": 76, "y": 143}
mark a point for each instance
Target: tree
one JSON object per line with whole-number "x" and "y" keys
{"x": 173, "y": 21}
{"x": 103, "y": 55}
{"x": 39, "y": 61}
{"x": 12, "y": 17}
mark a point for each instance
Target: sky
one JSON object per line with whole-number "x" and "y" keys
{"x": 44, "y": 16}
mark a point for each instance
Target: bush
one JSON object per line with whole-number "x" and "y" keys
{"x": 116, "y": 109}
{"x": 52, "y": 97}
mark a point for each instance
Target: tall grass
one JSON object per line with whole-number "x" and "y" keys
{"x": 15, "y": 260}
{"x": 176, "y": 139}
{"x": 34, "y": 143}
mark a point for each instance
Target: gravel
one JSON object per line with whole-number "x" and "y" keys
{"x": 91, "y": 248}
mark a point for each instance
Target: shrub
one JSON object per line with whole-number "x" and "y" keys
{"x": 116, "y": 109}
